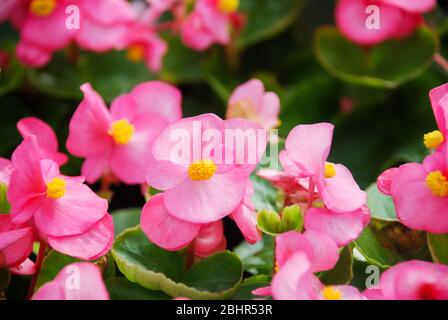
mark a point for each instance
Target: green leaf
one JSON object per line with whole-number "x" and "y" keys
{"x": 257, "y": 258}
{"x": 154, "y": 268}
{"x": 438, "y": 246}
{"x": 111, "y": 74}
{"x": 266, "y": 197}
{"x": 249, "y": 284}
{"x": 125, "y": 219}
{"x": 4, "y": 203}
{"x": 266, "y": 19}
{"x": 381, "y": 206}
{"x": 122, "y": 289}
{"x": 11, "y": 77}
{"x": 385, "y": 65}
{"x": 273, "y": 224}
{"x": 342, "y": 273}
{"x": 53, "y": 263}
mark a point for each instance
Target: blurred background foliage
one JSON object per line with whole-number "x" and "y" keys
{"x": 378, "y": 124}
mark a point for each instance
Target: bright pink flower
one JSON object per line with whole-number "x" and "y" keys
{"x": 210, "y": 239}
{"x": 46, "y": 138}
{"x": 250, "y": 101}
{"x": 397, "y": 19}
{"x": 52, "y": 203}
{"x": 5, "y": 170}
{"x": 439, "y": 104}
{"x": 16, "y": 242}
{"x": 208, "y": 23}
{"x": 102, "y": 24}
{"x": 308, "y": 146}
{"x": 203, "y": 172}
{"x": 119, "y": 141}
{"x": 412, "y": 280}
{"x": 77, "y": 281}
{"x": 295, "y": 280}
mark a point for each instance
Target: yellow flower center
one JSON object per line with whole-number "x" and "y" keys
{"x": 437, "y": 183}
{"x": 433, "y": 139}
{"x": 329, "y": 170}
{"x": 122, "y": 131}
{"x": 42, "y": 8}
{"x": 330, "y": 293}
{"x": 56, "y": 188}
{"x": 276, "y": 267}
{"x": 228, "y": 6}
{"x": 202, "y": 170}
{"x": 135, "y": 53}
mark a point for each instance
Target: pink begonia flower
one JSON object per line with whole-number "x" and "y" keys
{"x": 46, "y": 138}
{"x": 210, "y": 239}
{"x": 439, "y": 104}
{"x": 412, "y": 280}
{"x": 16, "y": 242}
{"x": 295, "y": 280}
{"x": 119, "y": 140}
{"x": 52, "y": 203}
{"x": 5, "y": 170}
{"x": 250, "y": 101}
{"x": 397, "y": 19}
{"x": 77, "y": 281}
{"x": 204, "y": 173}
{"x": 428, "y": 184}
{"x": 102, "y": 24}
{"x": 208, "y": 23}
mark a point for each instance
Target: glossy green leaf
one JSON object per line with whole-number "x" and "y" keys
{"x": 342, "y": 273}
{"x": 121, "y": 288}
{"x": 438, "y": 246}
{"x": 257, "y": 258}
{"x": 273, "y": 224}
{"x": 385, "y": 65}
{"x": 266, "y": 19}
{"x": 381, "y": 206}
{"x": 154, "y": 268}
{"x": 249, "y": 284}
{"x": 125, "y": 219}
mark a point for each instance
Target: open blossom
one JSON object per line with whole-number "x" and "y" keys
{"x": 40, "y": 196}
{"x": 250, "y": 101}
{"x": 208, "y": 23}
{"x": 102, "y": 24}
{"x": 77, "y": 281}
{"x": 412, "y": 280}
{"x": 295, "y": 281}
{"x": 119, "y": 140}
{"x": 427, "y": 182}
{"x": 396, "y": 19}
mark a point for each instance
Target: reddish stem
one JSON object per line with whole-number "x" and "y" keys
{"x": 190, "y": 256}
{"x": 39, "y": 261}
{"x": 312, "y": 186}
{"x": 441, "y": 61}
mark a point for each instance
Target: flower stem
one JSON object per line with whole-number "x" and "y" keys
{"x": 39, "y": 261}
{"x": 441, "y": 61}
{"x": 190, "y": 256}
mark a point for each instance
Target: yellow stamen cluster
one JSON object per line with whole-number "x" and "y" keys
{"x": 276, "y": 267}
{"x": 330, "y": 293}
{"x": 437, "y": 183}
{"x": 329, "y": 170}
{"x": 122, "y": 131}
{"x": 433, "y": 139}
{"x": 135, "y": 53}
{"x": 56, "y": 188}
{"x": 228, "y": 6}
{"x": 42, "y": 8}
{"x": 202, "y": 170}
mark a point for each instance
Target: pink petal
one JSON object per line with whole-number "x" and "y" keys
{"x": 164, "y": 175}
{"x": 112, "y": 11}
{"x": 309, "y": 146}
{"x": 349, "y": 293}
{"x": 95, "y": 166}
{"x": 246, "y": 219}
{"x": 210, "y": 239}
{"x": 252, "y": 90}
{"x": 26, "y": 268}
{"x": 341, "y": 193}
{"x": 384, "y": 181}
{"x": 50, "y": 291}
{"x": 45, "y": 136}
{"x": 89, "y": 125}
{"x": 325, "y": 253}
{"x": 343, "y": 228}
{"x": 165, "y": 230}
{"x": 195, "y": 33}
{"x": 61, "y": 217}
{"x": 32, "y": 55}
{"x": 351, "y": 19}
{"x": 15, "y": 246}
{"x": 100, "y": 38}
{"x": 215, "y": 21}
{"x": 439, "y": 103}
{"x": 206, "y": 201}
{"x": 89, "y": 245}
{"x": 270, "y": 110}
{"x": 423, "y": 211}
{"x": 415, "y": 6}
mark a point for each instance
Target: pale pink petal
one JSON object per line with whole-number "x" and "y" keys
{"x": 26, "y": 268}
{"x": 50, "y": 291}
{"x": 165, "y": 230}
{"x": 246, "y": 219}
{"x": 384, "y": 181}
{"x": 195, "y": 33}
{"x": 325, "y": 253}
{"x": 164, "y": 175}
{"x": 89, "y": 245}
{"x": 15, "y": 246}
{"x": 270, "y": 110}
{"x": 32, "y": 55}
{"x": 439, "y": 103}
{"x": 210, "y": 239}
{"x": 95, "y": 166}
{"x": 309, "y": 146}
{"x": 416, "y": 6}
{"x": 252, "y": 90}
{"x": 349, "y": 293}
